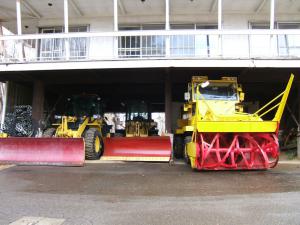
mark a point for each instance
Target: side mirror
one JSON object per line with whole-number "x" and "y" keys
{"x": 204, "y": 84}
{"x": 187, "y": 96}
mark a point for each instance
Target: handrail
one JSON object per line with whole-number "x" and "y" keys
{"x": 152, "y": 33}
{"x": 269, "y": 103}
{"x": 280, "y": 105}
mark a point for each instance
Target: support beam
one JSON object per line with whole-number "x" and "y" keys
{"x": 260, "y": 6}
{"x": 19, "y": 17}
{"x": 66, "y": 22}
{"x": 66, "y": 16}
{"x": 76, "y": 8}
{"x": 168, "y": 102}
{"x": 38, "y": 103}
{"x": 213, "y": 6}
{"x": 167, "y": 14}
{"x": 32, "y": 10}
{"x": 116, "y": 25}
{"x": 220, "y": 14}
{"x": 272, "y": 14}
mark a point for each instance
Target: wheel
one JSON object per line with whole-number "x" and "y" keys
{"x": 187, "y": 139}
{"x": 93, "y": 144}
{"x": 50, "y": 132}
{"x": 178, "y": 147}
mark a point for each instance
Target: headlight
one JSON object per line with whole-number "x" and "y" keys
{"x": 57, "y": 117}
{"x": 96, "y": 116}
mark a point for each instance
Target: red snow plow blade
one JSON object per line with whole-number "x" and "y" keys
{"x": 42, "y": 151}
{"x": 152, "y": 149}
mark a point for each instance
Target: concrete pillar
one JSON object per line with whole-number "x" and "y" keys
{"x": 19, "y": 17}
{"x": 272, "y": 14}
{"x": 66, "y": 28}
{"x": 38, "y": 103}
{"x": 168, "y": 102}
{"x": 116, "y": 28}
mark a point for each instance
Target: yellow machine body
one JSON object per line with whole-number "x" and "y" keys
{"x": 63, "y": 129}
{"x": 138, "y": 128}
{"x": 214, "y": 116}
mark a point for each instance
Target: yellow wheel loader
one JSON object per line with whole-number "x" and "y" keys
{"x": 84, "y": 121}
{"x": 139, "y": 141}
{"x": 138, "y": 121}
{"x": 74, "y": 137}
{"x": 215, "y": 134}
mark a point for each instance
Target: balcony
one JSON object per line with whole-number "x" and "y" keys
{"x": 154, "y": 44}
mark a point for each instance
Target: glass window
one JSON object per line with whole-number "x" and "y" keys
{"x": 182, "y": 45}
{"x": 54, "y": 48}
{"x": 259, "y": 44}
{"x": 259, "y": 25}
{"x": 218, "y": 91}
{"x": 142, "y": 46}
{"x": 206, "y": 45}
{"x": 289, "y": 45}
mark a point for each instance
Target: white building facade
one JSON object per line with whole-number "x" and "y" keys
{"x": 154, "y": 33}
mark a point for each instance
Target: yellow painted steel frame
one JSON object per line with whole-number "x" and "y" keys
{"x": 63, "y": 129}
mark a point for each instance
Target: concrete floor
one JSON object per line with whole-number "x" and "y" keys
{"x": 150, "y": 193}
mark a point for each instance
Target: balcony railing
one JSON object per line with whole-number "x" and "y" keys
{"x": 187, "y": 44}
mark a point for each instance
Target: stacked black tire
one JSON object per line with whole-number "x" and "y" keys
{"x": 19, "y": 122}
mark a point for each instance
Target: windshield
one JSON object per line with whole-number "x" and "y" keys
{"x": 85, "y": 106}
{"x": 137, "y": 111}
{"x": 218, "y": 91}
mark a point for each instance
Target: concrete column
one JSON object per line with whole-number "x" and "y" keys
{"x": 19, "y": 17}
{"x": 168, "y": 102}
{"x": 116, "y": 16}
{"x": 116, "y": 28}
{"x": 167, "y": 26}
{"x": 272, "y": 14}
{"x": 38, "y": 103}
{"x": 66, "y": 26}
{"x": 220, "y": 11}
{"x": 220, "y": 14}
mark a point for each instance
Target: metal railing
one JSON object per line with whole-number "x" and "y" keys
{"x": 194, "y": 44}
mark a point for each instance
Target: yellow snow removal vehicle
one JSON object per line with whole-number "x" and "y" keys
{"x": 76, "y": 135}
{"x": 215, "y": 134}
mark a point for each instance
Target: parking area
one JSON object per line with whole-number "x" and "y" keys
{"x": 148, "y": 193}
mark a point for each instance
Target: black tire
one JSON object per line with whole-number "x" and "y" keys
{"x": 50, "y": 132}
{"x": 187, "y": 139}
{"x": 178, "y": 147}
{"x": 90, "y": 137}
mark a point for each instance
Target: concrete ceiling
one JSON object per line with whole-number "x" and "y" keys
{"x": 95, "y": 8}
